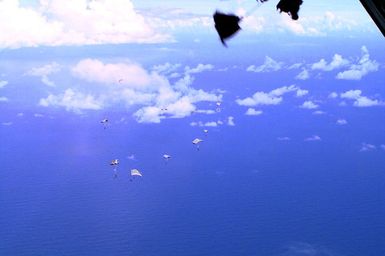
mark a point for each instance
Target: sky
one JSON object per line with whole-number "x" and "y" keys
{"x": 302, "y": 97}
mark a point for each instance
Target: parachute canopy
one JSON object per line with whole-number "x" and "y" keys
{"x": 165, "y": 156}
{"x": 197, "y": 141}
{"x": 114, "y": 162}
{"x": 135, "y": 172}
{"x": 291, "y": 7}
{"x": 226, "y": 25}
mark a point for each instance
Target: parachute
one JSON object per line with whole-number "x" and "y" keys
{"x": 114, "y": 162}
{"x": 135, "y": 172}
{"x": 196, "y": 142}
{"x": 226, "y": 25}
{"x": 291, "y": 7}
{"x": 104, "y": 122}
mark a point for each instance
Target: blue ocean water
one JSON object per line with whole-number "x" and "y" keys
{"x": 237, "y": 195}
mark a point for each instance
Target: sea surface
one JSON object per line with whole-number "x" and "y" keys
{"x": 242, "y": 193}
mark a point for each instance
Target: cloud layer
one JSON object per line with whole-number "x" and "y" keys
{"x": 129, "y": 84}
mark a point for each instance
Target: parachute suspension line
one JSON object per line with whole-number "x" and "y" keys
{"x": 254, "y": 9}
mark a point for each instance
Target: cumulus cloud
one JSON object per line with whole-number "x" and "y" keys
{"x": 301, "y": 92}
{"x": 44, "y": 71}
{"x": 273, "y": 97}
{"x": 3, "y": 99}
{"x": 71, "y": 100}
{"x": 360, "y": 69}
{"x": 166, "y": 68}
{"x": 367, "y": 147}
{"x": 6, "y": 123}
{"x": 341, "y": 122}
{"x": 73, "y": 22}
{"x": 149, "y": 93}
{"x": 309, "y": 105}
{"x": 3, "y": 83}
{"x": 359, "y": 100}
{"x": 320, "y": 25}
{"x": 303, "y": 75}
{"x": 130, "y": 74}
{"x": 313, "y": 138}
{"x": 253, "y": 112}
{"x": 260, "y": 98}
{"x": 283, "y": 138}
{"x": 268, "y": 66}
{"x": 199, "y": 68}
{"x": 333, "y": 95}
{"x": 207, "y": 124}
{"x": 337, "y": 62}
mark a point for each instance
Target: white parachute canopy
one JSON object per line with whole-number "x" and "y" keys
{"x": 165, "y": 156}
{"x": 104, "y": 121}
{"x": 114, "y": 162}
{"x": 135, "y": 172}
{"x": 197, "y": 141}
{"x": 205, "y": 131}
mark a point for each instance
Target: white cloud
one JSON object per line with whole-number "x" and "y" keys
{"x": 129, "y": 74}
{"x": 313, "y": 138}
{"x": 38, "y": 115}
{"x": 322, "y": 25}
{"x": 3, "y": 99}
{"x": 166, "y": 68}
{"x": 283, "y": 138}
{"x": 207, "y": 124}
{"x": 6, "y": 123}
{"x": 3, "y": 83}
{"x": 319, "y": 112}
{"x": 230, "y": 121}
{"x": 303, "y": 75}
{"x": 205, "y": 111}
{"x": 20, "y": 114}
{"x": 362, "y": 68}
{"x": 271, "y": 98}
{"x": 283, "y": 90}
{"x": 268, "y": 66}
{"x": 44, "y": 71}
{"x": 253, "y": 112}
{"x": 198, "y": 69}
{"x": 337, "y": 62}
{"x": 342, "y": 122}
{"x": 367, "y": 147}
{"x": 359, "y": 100}
{"x": 295, "y": 66}
{"x": 150, "y": 94}
{"x": 72, "y": 101}
{"x": 73, "y": 22}
{"x": 260, "y": 98}
{"x": 309, "y": 105}
{"x": 333, "y": 95}
{"x": 301, "y": 92}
